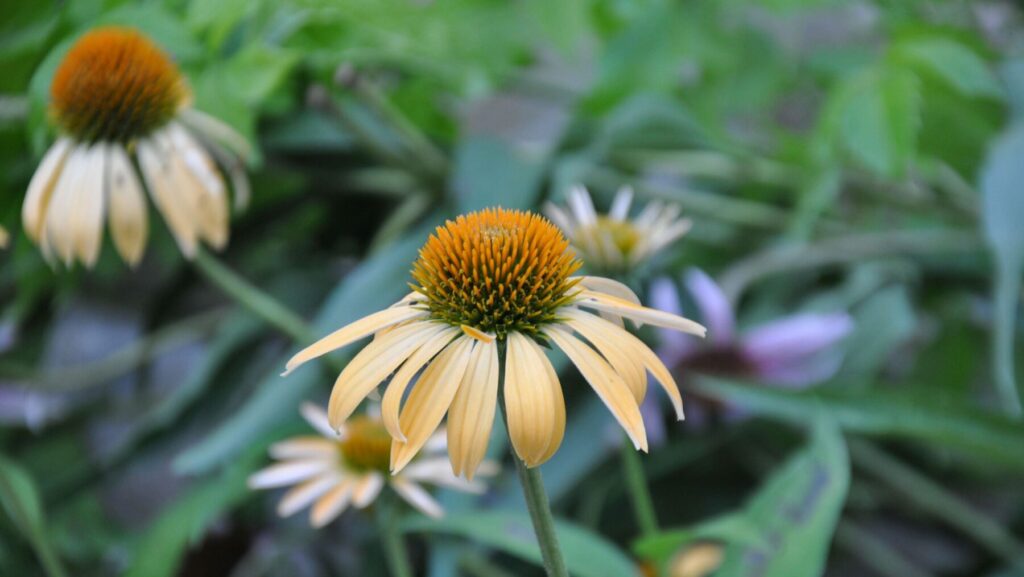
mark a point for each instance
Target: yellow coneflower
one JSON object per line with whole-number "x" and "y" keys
{"x": 614, "y": 242}
{"x": 497, "y": 280}
{"x": 119, "y": 101}
{"x": 350, "y": 467}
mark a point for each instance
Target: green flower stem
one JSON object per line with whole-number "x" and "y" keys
{"x": 389, "y": 524}
{"x": 429, "y": 156}
{"x": 543, "y": 521}
{"x": 639, "y": 492}
{"x": 536, "y": 497}
{"x": 251, "y": 297}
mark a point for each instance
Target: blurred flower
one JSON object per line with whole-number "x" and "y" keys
{"x": 119, "y": 100}
{"x": 698, "y": 560}
{"x": 796, "y": 351}
{"x": 613, "y": 242}
{"x": 5, "y": 237}
{"x": 351, "y": 467}
{"x": 497, "y": 280}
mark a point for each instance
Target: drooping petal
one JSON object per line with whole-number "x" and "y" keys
{"x": 158, "y": 174}
{"x": 87, "y": 213}
{"x": 352, "y": 332}
{"x": 634, "y": 348}
{"x": 302, "y": 495}
{"x": 613, "y": 288}
{"x": 41, "y": 188}
{"x": 129, "y": 219}
{"x": 195, "y": 175}
{"x": 372, "y": 365}
{"x": 392, "y": 400}
{"x": 367, "y": 489}
{"x": 332, "y": 504}
{"x": 430, "y": 399}
{"x": 606, "y": 383}
{"x": 607, "y": 303}
{"x": 607, "y": 339}
{"x": 417, "y": 497}
{"x": 288, "y": 473}
{"x": 534, "y": 405}
{"x": 304, "y": 448}
{"x": 471, "y": 416}
{"x": 316, "y": 416}
{"x": 56, "y": 232}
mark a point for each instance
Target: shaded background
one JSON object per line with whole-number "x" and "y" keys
{"x": 858, "y": 157}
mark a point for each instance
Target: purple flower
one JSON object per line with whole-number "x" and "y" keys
{"x": 794, "y": 351}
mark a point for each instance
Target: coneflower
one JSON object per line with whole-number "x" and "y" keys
{"x": 122, "y": 108}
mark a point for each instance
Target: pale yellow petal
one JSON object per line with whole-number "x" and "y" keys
{"x": 87, "y": 213}
{"x": 635, "y": 348}
{"x": 302, "y": 495}
{"x": 372, "y": 365}
{"x": 471, "y": 416}
{"x": 288, "y": 473}
{"x": 534, "y": 405}
{"x": 418, "y": 497}
{"x": 195, "y": 172}
{"x": 41, "y": 188}
{"x": 57, "y": 223}
{"x": 613, "y": 288}
{"x": 352, "y": 332}
{"x": 610, "y": 304}
{"x": 332, "y": 504}
{"x": 129, "y": 218}
{"x": 158, "y": 173}
{"x": 430, "y": 399}
{"x": 605, "y": 337}
{"x": 606, "y": 383}
{"x": 392, "y": 400}
{"x": 303, "y": 448}
{"x": 367, "y": 489}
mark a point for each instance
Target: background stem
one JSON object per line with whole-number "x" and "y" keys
{"x": 389, "y": 525}
{"x": 639, "y": 492}
{"x": 260, "y": 303}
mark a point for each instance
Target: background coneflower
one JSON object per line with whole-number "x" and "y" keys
{"x": 118, "y": 100}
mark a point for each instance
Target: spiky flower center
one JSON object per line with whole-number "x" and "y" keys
{"x": 497, "y": 271}
{"x": 366, "y": 446}
{"x": 115, "y": 85}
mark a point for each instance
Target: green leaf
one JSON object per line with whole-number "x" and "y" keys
{"x": 786, "y": 528}
{"x": 955, "y": 64}
{"x": 186, "y": 520}
{"x": 377, "y": 283}
{"x": 1002, "y": 189}
{"x": 492, "y": 172}
{"x": 875, "y": 116}
{"x": 586, "y": 554}
{"x": 796, "y": 511}
{"x": 729, "y": 528}
{"x": 919, "y": 414}
{"x": 20, "y": 499}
